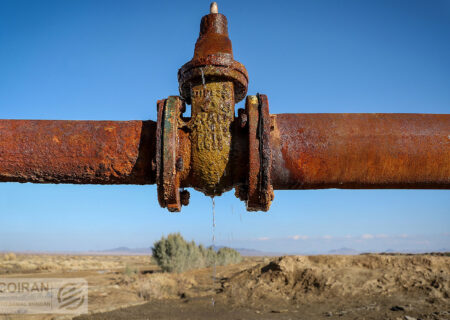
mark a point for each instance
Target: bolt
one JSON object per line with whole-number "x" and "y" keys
{"x": 184, "y": 197}
{"x": 179, "y": 164}
{"x": 242, "y": 118}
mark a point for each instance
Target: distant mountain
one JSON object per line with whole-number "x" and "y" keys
{"x": 344, "y": 251}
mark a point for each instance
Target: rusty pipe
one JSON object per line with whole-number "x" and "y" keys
{"x": 213, "y": 151}
{"x": 79, "y": 152}
{"x": 360, "y": 151}
{"x": 309, "y": 151}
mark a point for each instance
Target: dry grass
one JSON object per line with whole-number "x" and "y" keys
{"x": 163, "y": 286}
{"x": 9, "y": 256}
{"x": 260, "y": 283}
{"x": 11, "y": 263}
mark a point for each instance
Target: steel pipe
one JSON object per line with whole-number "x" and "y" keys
{"x": 309, "y": 151}
{"x": 360, "y": 151}
{"x": 80, "y": 152}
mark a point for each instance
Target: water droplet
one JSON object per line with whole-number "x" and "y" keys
{"x": 214, "y": 248}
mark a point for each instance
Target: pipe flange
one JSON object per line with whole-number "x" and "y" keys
{"x": 217, "y": 66}
{"x": 260, "y": 191}
{"x": 167, "y": 175}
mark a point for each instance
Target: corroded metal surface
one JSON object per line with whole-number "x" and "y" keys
{"x": 81, "y": 152}
{"x": 308, "y": 151}
{"x": 259, "y": 189}
{"x": 212, "y": 115}
{"x": 212, "y": 68}
{"x": 212, "y": 82}
{"x": 169, "y": 161}
{"x": 357, "y": 151}
{"x": 213, "y": 60}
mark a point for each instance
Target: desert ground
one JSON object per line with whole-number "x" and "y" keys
{"x": 369, "y": 286}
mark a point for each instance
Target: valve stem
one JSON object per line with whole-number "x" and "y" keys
{"x": 213, "y": 8}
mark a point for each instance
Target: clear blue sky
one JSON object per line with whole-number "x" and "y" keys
{"x": 111, "y": 60}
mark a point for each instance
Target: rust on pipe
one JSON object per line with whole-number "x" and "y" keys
{"x": 359, "y": 151}
{"x": 79, "y": 152}
{"x": 309, "y": 151}
{"x": 213, "y": 151}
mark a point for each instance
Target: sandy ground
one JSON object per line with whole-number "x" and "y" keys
{"x": 292, "y": 287}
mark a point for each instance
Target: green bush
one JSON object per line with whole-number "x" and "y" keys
{"x": 174, "y": 254}
{"x": 226, "y": 256}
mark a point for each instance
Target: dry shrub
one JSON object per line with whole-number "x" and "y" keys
{"x": 129, "y": 270}
{"x": 158, "y": 286}
{"x": 163, "y": 286}
{"x": 10, "y": 256}
{"x": 23, "y": 266}
{"x": 48, "y": 266}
